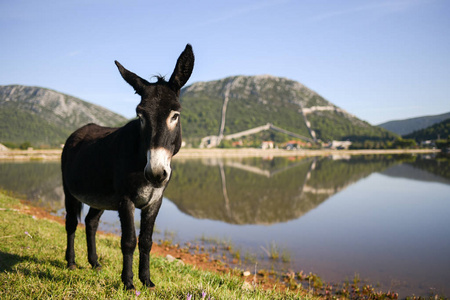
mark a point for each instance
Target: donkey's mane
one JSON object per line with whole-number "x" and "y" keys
{"x": 159, "y": 78}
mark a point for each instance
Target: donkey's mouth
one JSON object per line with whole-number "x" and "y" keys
{"x": 157, "y": 180}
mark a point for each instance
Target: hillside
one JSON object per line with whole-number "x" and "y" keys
{"x": 406, "y": 126}
{"x": 252, "y": 101}
{"x": 437, "y": 131}
{"x": 45, "y": 117}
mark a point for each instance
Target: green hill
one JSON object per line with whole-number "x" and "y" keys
{"x": 252, "y": 101}
{"x": 45, "y": 117}
{"x": 435, "y": 132}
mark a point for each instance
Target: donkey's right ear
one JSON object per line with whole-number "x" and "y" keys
{"x": 134, "y": 80}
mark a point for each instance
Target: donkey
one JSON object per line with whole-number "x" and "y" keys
{"x": 126, "y": 168}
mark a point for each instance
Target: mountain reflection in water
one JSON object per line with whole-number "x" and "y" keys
{"x": 257, "y": 191}
{"x": 38, "y": 182}
{"x": 242, "y": 191}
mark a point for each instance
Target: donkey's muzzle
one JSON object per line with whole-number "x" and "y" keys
{"x": 157, "y": 171}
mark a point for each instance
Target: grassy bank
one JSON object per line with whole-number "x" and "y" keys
{"x": 32, "y": 265}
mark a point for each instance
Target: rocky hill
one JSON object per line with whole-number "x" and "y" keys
{"x": 239, "y": 103}
{"x": 407, "y": 126}
{"x": 45, "y": 117}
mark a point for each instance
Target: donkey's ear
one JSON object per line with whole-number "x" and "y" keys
{"x": 134, "y": 80}
{"x": 183, "y": 69}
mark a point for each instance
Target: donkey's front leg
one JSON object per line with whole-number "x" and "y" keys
{"x": 148, "y": 217}
{"x": 128, "y": 241}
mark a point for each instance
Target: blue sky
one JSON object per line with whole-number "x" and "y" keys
{"x": 379, "y": 60}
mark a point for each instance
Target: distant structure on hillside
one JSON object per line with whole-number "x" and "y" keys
{"x": 267, "y": 145}
{"x": 340, "y": 145}
{"x": 214, "y": 140}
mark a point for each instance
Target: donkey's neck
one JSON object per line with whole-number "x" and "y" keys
{"x": 132, "y": 146}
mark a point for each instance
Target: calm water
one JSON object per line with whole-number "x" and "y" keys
{"x": 383, "y": 218}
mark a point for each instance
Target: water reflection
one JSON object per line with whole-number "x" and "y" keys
{"x": 242, "y": 191}
{"x": 257, "y": 191}
{"x": 425, "y": 168}
{"x": 39, "y": 182}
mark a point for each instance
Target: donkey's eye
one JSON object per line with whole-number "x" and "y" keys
{"x": 172, "y": 119}
{"x": 175, "y": 117}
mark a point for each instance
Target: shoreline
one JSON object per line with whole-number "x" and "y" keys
{"x": 288, "y": 284}
{"x": 285, "y": 284}
{"x": 190, "y": 153}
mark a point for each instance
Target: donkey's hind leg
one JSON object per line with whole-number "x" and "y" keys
{"x": 92, "y": 220}
{"x": 73, "y": 210}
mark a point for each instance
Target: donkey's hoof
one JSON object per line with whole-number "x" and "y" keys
{"x": 97, "y": 266}
{"x": 71, "y": 266}
{"x": 149, "y": 284}
{"x": 129, "y": 287}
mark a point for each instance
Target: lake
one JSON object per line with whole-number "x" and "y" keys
{"x": 384, "y": 219}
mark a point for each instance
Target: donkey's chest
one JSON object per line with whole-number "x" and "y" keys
{"x": 147, "y": 196}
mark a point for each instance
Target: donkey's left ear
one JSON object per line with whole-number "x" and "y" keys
{"x": 183, "y": 69}
{"x": 134, "y": 80}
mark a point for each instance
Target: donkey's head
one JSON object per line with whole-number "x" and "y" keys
{"x": 159, "y": 115}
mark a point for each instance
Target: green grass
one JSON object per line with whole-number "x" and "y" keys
{"x": 32, "y": 265}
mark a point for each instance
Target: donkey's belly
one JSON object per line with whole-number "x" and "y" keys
{"x": 144, "y": 197}
{"x": 101, "y": 202}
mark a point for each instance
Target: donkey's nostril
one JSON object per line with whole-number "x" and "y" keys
{"x": 162, "y": 176}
